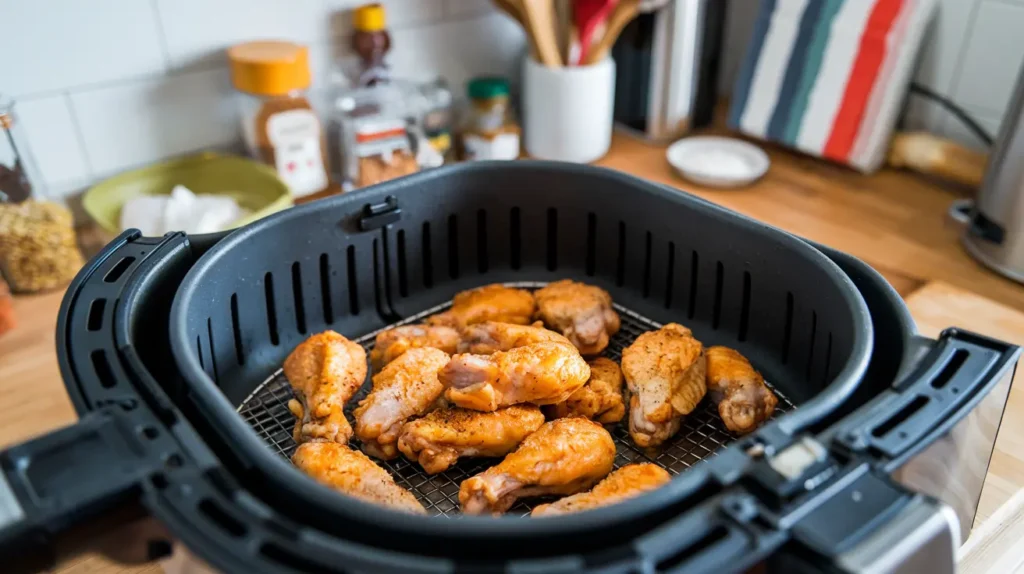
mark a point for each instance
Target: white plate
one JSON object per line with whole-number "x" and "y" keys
{"x": 717, "y": 161}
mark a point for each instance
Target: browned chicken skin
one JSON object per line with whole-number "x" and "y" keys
{"x": 664, "y": 372}
{"x": 437, "y": 440}
{"x": 488, "y": 303}
{"x": 325, "y": 371}
{"x": 393, "y": 342}
{"x": 581, "y": 312}
{"x": 599, "y": 400}
{"x": 541, "y": 373}
{"x": 744, "y": 401}
{"x": 492, "y": 336}
{"x": 353, "y": 473}
{"x": 563, "y": 457}
{"x": 407, "y": 387}
{"x": 627, "y": 482}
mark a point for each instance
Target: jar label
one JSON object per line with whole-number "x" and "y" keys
{"x": 502, "y": 146}
{"x": 295, "y": 137}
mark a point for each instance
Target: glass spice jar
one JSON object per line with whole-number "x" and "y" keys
{"x": 38, "y": 246}
{"x": 20, "y": 178}
{"x": 490, "y": 130}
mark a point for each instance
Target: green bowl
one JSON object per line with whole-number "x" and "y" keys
{"x": 253, "y": 185}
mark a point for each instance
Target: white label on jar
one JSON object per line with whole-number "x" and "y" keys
{"x": 295, "y": 136}
{"x": 503, "y": 146}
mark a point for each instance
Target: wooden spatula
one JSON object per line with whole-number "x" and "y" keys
{"x": 588, "y": 16}
{"x": 539, "y": 21}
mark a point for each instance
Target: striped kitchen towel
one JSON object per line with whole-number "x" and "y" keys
{"x": 828, "y": 77}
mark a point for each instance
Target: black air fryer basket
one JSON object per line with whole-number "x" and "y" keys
{"x": 880, "y": 445}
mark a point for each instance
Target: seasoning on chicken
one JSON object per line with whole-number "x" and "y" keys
{"x": 581, "y": 312}
{"x": 488, "y": 303}
{"x": 600, "y": 399}
{"x": 353, "y": 473}
{"x": 325, "y": 371}
{"x": 437, "y": 440}
{"x": 626, "y": 482}
{"x": 492, "y": 336}
{"x": 744, "y": 401}
{"x": 541, "y": 373}
{"x": 563, "y": 457}
{"x": 393, "y": 342}
{"x": 406, "y": 388}
{"x": 664, "y": 372}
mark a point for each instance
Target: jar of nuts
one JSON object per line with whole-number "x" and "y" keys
{"x": 38, "y": 250}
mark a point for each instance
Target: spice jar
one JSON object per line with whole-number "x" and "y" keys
{"x": 370, "y": 43}
{"x": 490, "y": 130}
{"x": 38, "y": 251}
{"x": 436, "y": 118}
{"x": 374, "y": 136}
{"x": 20, "y": 179}
{"x": 279, "y": 125}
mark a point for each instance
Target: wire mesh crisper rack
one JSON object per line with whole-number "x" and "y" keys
{"x": 700, "y": 436}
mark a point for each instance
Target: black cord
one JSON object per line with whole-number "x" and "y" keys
{"x": 954, "y": 109}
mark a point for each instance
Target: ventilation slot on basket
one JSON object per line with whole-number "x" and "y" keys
{"x": 670, "y": 273}
{"x": 268, "y": 292}
{"x": 300, "y": 311}
{"x": 325, "y": 288}
{"x": 428, "y": 257}
{"x": 102, "y": 368}
{"x": 353, "y": 284}
{"x": 199, "y": 351}
{"x": 213, "y": 352}
{"x": 453, "y": 247}
{"x": 118, "y": 270}
{"x": 745, "y": 307}
{"x": 236, "y": 330}
{"x": 671, "y": 563}
{"x": 403, "y": 266}
{"x": 787, "y": 334}
{"x": 810, "y": 351}
{"x": 717, "y": 308}
{"x": 552, "y": 239}
{"x": 692, "y": 306}
{"x": 900, "y": 417}
{"x": 955, "y": 362}
{"x": 95, "y": 321}
{"x": 515, "y": 239}
{"x": 647, "y": 265}
{"x": 620, "y": 262}
{"x": 228, "y": 523}
{"x": 591, "y": 244}
{"x": 481, "y": 241}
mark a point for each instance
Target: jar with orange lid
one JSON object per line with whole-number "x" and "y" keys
{"x": 279, "y": 125}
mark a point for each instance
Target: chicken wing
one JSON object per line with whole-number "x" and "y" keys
{"x": 406, "y": 388}
{"x": 581, "y": 312}
{"x": 492, "y": 336}
{"x": 393, "y": 342}
{"x": 744, "y": 401}
{"x": 563, "y": 457}
{"x": 325, "y": 371}
{"x": 627, "y": 482}
{"x": 541, "y": 373}
{"x": 600, "y": 399}
{"x": 488, "y": 303}
{"x": 437, "y": 440}
{"x": 664, "y": 372}
{"x": 353, "y": 473}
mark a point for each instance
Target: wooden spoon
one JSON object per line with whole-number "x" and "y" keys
{"x": 513, "y": 12}
{"x": 539, "y": 22}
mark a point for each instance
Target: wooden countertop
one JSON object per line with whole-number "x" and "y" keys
{"x": 894, "y": 221}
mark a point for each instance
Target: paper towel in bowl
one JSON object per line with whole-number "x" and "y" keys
{"x": 182, "y": 210}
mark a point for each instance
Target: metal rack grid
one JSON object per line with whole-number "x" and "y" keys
{"x": 700, "y": 436}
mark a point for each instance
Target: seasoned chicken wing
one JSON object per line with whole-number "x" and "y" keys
{"x": 581, "y": 312}
{"x": 744, "y": 401}
{"x": 406, "y": 388}
{"x": 627, "y": 482}
{"x": 492, "y": 336}
{"x": 353, "y": 473}
{"x": 563, "y": 457}
{"x": 437, "y": 440}
{"x": 664, "y": 372}
{"x": 541, "y": 373}
{"x": 488, "y": 303}
{"x": 393, "y": 342}
{"x": 600, "y": 399}
{"x": 325, "y": 371}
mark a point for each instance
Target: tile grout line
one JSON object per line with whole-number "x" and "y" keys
{"x": 79, "y": 136}
{"x": 954, "y": 81}
{"x": 161, "y": 35}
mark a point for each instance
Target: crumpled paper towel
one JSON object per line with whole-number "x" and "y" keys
{"x": 182, "y": 210}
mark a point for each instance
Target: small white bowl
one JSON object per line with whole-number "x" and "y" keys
{"x": 717, "y": 161}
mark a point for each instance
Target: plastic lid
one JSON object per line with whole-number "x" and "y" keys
{"x": 369, "y": 18}
{"x": 487, "y": 88}
{"x": 269, "y": 68}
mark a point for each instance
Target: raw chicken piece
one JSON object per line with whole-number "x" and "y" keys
{"x": 406, "y": 388}
{"x": 664, "y": 372}
{"x": 627, "y": 482}
{"x": 744, "y": 401}
{"x": 488, "y": 303}
{"x": 353, "y": 473}
{"x": 600, "y": 399}
{"x": 581, "y": 312}
{"x": 393, "y": 342}
{"x": 325, "y": 371}
{"x": 492, "y": 336}
{"x": 563, "y": 457}
{"x": 541, "y": 373}
{"x": 437, "y": 440}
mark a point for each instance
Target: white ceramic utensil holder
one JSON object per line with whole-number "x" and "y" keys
{"x": 567, "y": 112}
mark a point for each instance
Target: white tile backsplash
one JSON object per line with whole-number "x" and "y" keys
{"x": 53, "y": 139}
{"x": 463, "y": 8}
{"x": 993, "y": 58}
